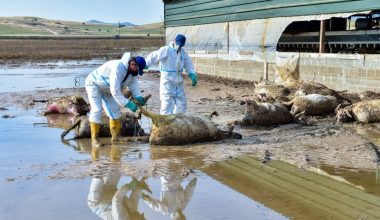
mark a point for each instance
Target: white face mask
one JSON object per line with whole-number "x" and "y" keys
{"x": 176, "y": 47}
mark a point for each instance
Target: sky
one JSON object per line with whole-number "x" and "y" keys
{"x": 134, "y": 11}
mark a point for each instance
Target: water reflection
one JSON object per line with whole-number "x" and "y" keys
{"x": 173, "y": 197}
{"x": 297, "y": 193}
{"x": 110, "y": 201}
{"x": 105, "y": 198}
{"x": 63, "y": 121}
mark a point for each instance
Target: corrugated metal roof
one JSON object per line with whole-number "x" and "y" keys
{"x": 194, "y": 12}
{"x": 306, "y": 194}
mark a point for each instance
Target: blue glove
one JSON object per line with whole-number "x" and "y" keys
{"x": 132, "y": 106}
{"x": 194, "y": 79}
{"x": 141, "y": 100}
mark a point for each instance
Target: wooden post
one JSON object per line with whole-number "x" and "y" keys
{"x": 322, "y": 36}
{"x": 228, "y": 37}
{"x": 265, "y": 75}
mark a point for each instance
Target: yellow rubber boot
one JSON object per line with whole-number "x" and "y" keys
{"x": 94, "y": 153}
{"x": 115, "y": 153}
{"x": 95, "y": 134}
{"x": 115, "y": 128}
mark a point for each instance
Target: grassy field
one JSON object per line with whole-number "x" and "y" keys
{"x": 7, "y": 29}
{"x": 14, "y": 26}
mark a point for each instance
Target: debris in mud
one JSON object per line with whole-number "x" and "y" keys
{"x": 218, "y": 98}
{"x": 56, "y": 176}
{"x": 376, "y": 149}
{"x": 205, "y": 99}
{"x": 304, "y": 161}
{"x": 187, "y": 171}
{"x": 9, "y": 179}
{"x": 230, "y": 97}
{"x": 215, "y": 89}
{"x": 8, "y": 116}
{"x": 266, "y": 157}
{"x": 3, "y": 109}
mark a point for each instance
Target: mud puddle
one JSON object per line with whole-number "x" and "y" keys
{"x": 45, "y": 178}
{"x": 42, "y": 178}
{"x": 41, "y": 78}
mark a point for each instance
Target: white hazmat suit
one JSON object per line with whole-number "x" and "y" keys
{"x": 172, "y": 93}
{"x": 174, "y": 198}
{"x": 104, "y": 88}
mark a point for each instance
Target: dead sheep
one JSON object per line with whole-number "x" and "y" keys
{"x": 179, "y": 129}
{"x": 369, "y": 95}
{"x": 75, "y": 105}
{"x": 266, "y": 91}
{"x": 307, "y": 88}
{"x": 266, "y": 114}
{"x": 129, "y": 127}
{"x": 312, "y": 105}
{"x": 364, "y": 111}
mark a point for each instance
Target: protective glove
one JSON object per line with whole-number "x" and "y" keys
{"x": 194, "y": 79}
{"x": 132, "y": 106}
{"x": 141, "y": 100}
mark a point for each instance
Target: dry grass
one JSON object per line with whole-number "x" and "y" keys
{"x": 72, "y": 48}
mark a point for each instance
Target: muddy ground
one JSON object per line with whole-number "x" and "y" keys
{"x": 320, "y": 142}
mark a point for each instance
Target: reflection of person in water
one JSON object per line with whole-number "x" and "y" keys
{"x": 124, "y": 207}
{"x": 174, "y": 198}
{"x": 109, "y": 202}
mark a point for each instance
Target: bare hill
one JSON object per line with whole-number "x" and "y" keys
{"x": 10, "y": 26}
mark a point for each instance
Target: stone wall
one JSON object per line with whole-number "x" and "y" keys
{"x": 350, "y": 72}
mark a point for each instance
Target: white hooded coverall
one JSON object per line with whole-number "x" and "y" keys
{"x": 173, "y": 197}
{"x": 104, "y": 88}
{"x": 172, "y": 93}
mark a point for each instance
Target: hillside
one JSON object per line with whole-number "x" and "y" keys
{"x": 117, "y": 24}
{"x": 17, "y": 26}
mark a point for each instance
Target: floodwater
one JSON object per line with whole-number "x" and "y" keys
{"x": 42, "y": 177}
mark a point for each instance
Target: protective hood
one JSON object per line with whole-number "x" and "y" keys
{"x": 125, "y": 59}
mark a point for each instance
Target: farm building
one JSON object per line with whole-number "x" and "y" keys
{"x": 335, "y": 42}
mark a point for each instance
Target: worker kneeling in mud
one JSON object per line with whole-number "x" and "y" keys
{"x": 104, "y": 89}
{"x": 173, "y": 59}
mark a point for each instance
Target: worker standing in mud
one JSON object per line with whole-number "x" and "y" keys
{"x": 172, "y": 59}
{"x": 104, "y": 88}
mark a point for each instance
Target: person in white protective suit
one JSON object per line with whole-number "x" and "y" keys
{"x": 174, "y": 198}
{"x": 108, "y": 201}
{"x": 172, "y": 59}
{"x": 104, "y": 185}
{"x": 115, "y": 204}
{"x": 104, "y": 88}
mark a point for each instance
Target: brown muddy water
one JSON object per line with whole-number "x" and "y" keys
{"x": 42, "y": 177}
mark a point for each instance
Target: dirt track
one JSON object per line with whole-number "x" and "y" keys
{"x": 322, "y": 142}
